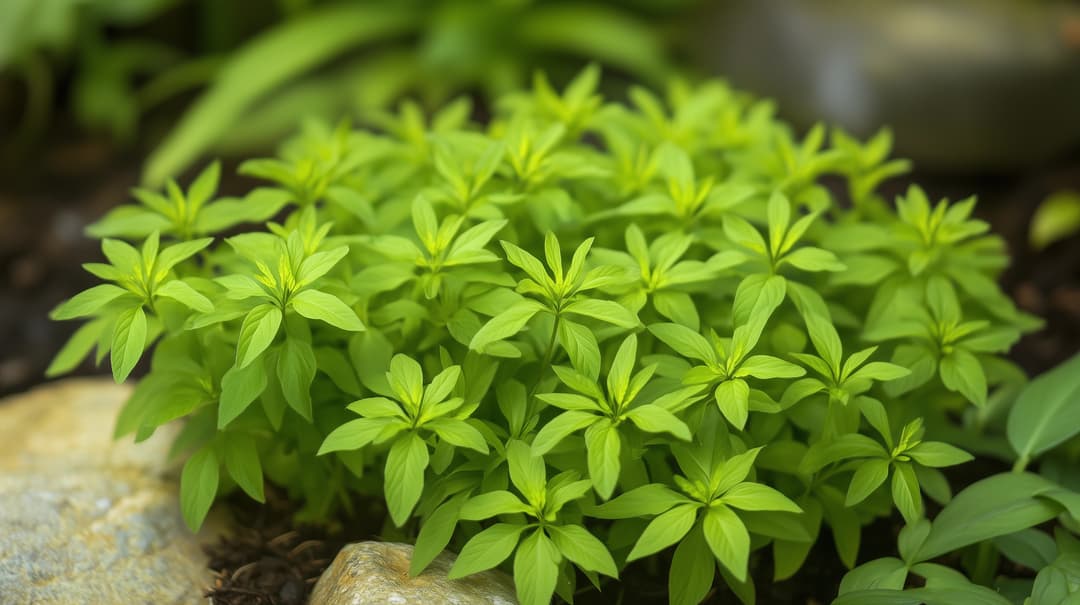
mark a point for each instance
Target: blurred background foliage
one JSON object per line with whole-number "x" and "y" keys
{"x": 240, "y": 74}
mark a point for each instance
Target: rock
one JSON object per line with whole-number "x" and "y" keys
{"x": 84, "y": 519}
{"x": 377, "y": 573}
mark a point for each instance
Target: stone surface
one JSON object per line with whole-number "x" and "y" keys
{"x": 84, "y": 519}
{"x": 377, "y": 573}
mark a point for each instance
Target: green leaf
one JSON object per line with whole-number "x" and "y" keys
{"x": 998, "y": 505}
{"x": 741, "y": 232}
{"x": 692, "y": 570}
{"x": 767, "y": 366}
{"x": 257, "y": 206}
{"x": 459, "y": 433}
{"x": 128, "y": 222}
{"x": 583, "y": 549}
{"x": 319, "y": 264}
{"x": 755, "y": 496}
{"x": 426, "y": 223}
{"x": 239, "y": 387}
{"x": 728, "y": 539}
{"x": 580, "y": 344}
{"x": 938, "y": 454}
{"x": 354, "y": 434}
{"x": 295, "y": 372}
{"x": 242, "y": 462}
{"x": 664, "y": 530}
{"x": 177, "y": 253}
{"x": 476, "y": 237}
{"x": 121, "y": 255}
{"x": 826, "y": 341}
{"x": 603, "y": 310}
{"x": 405, "y": 467}
{"x": 406, "y": 378}
{"x": 734, "y": 470}
{"x": 185, "y": 295}
{"x": 941, "y": 298}
{"x": 486, "y": 549}
{"x": 536, "y": 569}
{"x": 554, "y": 431}
{"x": 198, "y": 486}
{"x": 1031, "y": 548}
{"x": 962, "y": 372}
{"x": 618, "y": 378}
{"x": 733, "y": 398}
{"x": 601, "y": 32}
{"x": 685, "y": 341}
{"x": 260, "y": 66}
{"x": 490, "y": 504}
{"x": 442, "y": 385}
{"x": 505, "y": 324}
{"x": 603, "y": 446}
{"x": 526, "y": 262}
{"x": 655, "y": 419}
{"x": 87, "y": 302}
{"x": 651, "y": 499}
{"x": 880, "y": 370}
{"x": 129, "y": 342}
{"x": 886, "y": 573}
{"x": 1047, "y": 411}
{"x": 1056, "y": 218}
{"x": 527, "y": 471}
{"x": 435, "y": 534}
{"x": 810, "y": 258}
{"x": 77, "y": 348}
{"x": 756, "y": 298}
{"x": 315, "y": 304}
{"x": 778, "y": 212}
{"x": 906, "y": 492}
{"x": 679, "y": 307}
{"x": 868, "y": 477}
{"x": 257, "y": 332}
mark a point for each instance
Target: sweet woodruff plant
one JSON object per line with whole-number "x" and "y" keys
{"x": 573, "y": 337}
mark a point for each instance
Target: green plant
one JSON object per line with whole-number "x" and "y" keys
{"x": 998, "y": 517}
{"x": 387, "y": 49}
{"x": 263, "y": 64}
{"x": 581, "y": 334}
{"x": 33, "y": 34}
{"x": 1056, "y": 218}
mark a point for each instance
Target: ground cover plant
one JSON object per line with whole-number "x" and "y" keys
{"x": 587, "y": 333}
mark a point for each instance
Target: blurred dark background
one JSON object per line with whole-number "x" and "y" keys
{"x": 98, "y": 96}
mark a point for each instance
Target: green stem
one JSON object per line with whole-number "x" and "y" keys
{"x": 545, "y": 364}
{"x": 1021, "y": 464}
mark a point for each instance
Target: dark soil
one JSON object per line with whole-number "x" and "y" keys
{"x": 269, "y": 559}
{"x": 45, "y": 205}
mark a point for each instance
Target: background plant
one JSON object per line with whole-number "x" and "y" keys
{"x": 260, "y": 65}
{"x": 577, "y": 335}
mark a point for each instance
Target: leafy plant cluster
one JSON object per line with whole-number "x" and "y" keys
{"x": 582, "y": 334}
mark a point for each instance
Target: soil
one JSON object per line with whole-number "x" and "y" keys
{"x": 46, "y": 203}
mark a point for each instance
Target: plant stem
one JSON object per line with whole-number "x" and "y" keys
{"x": 545, "y": 363}
{"x": 1021, "y": 464}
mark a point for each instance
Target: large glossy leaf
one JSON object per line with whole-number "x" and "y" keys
{"x": 1047, "y": 412}
{"x": 996, "y": 506}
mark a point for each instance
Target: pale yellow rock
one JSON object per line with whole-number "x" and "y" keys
{"x": 85, "y": 519}
{"x": 377, "y": 573}
{"x": 72, "y": 421}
